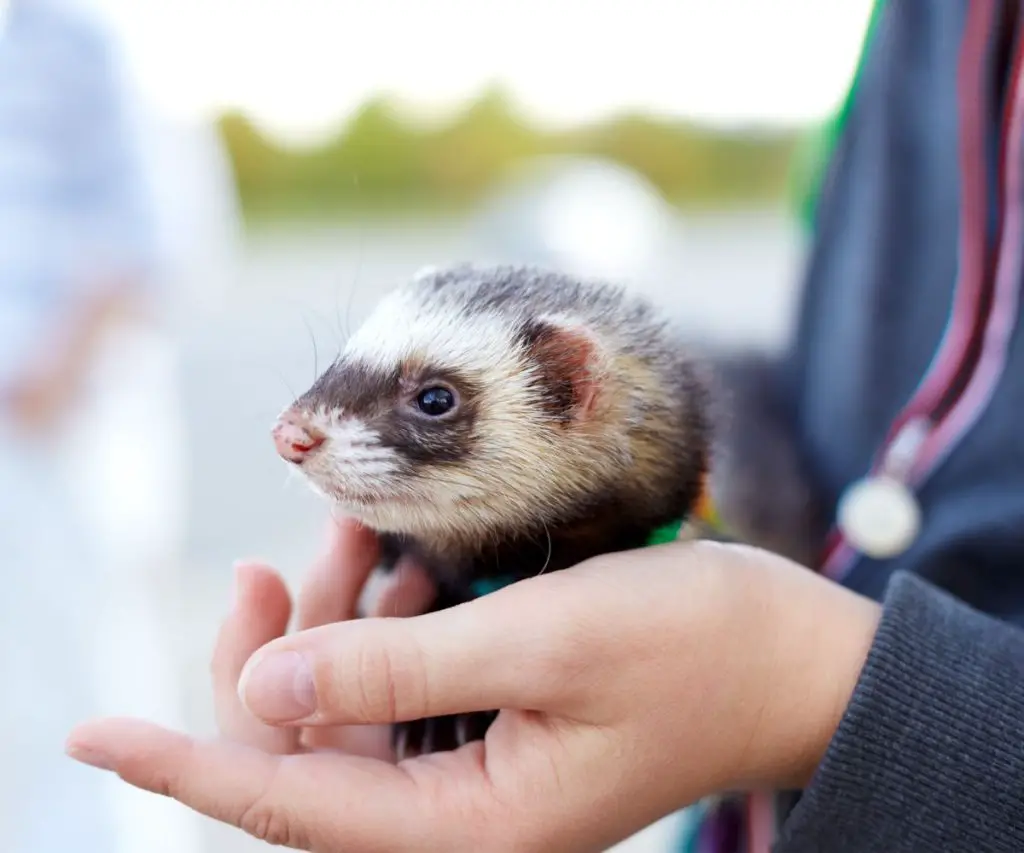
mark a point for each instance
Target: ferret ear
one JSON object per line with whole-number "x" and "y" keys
{"x": 568, "y": 360}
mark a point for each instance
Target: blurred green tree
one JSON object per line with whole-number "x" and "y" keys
{"x": 379, "y": 160}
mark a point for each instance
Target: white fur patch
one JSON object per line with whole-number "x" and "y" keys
{"x": 352, "y": 454}
{"x": 347, "y": 432}
{"x": 402, "y": 327}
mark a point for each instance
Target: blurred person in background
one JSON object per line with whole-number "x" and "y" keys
{"x": 91, "y": 446}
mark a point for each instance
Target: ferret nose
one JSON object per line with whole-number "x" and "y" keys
{"x": 295, "y": 438}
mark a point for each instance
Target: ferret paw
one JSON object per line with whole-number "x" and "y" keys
{"x": 438, "y": 734}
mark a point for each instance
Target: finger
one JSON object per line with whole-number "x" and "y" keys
{"x": 475, "y": 657}
{"x": 330, "y": 594}
{"x": 261, "y": 612}
{"x": 331, "y": 591}
{"x": 260, "y": 615}
{"x": 306, "y": 801}
{"x": 409, "y": 591}
{"x": 364, "y": 741}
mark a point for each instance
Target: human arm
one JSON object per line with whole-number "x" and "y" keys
{"x": 639, "y": 683}
{"x": 930, "y": 753}
{"x": 939, "y": 674}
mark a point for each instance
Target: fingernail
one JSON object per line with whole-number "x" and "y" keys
{"x": 92, "y": 757}
{"x": 278, "y": 688}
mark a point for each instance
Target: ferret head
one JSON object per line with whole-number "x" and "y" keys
{"x": 471, "y": 405}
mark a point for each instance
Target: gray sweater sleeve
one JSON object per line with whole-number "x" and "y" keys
{"x": 930, "y": 754}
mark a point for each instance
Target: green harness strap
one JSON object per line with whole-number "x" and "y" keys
{"x": 666, "y": 534}
{"x": 485, "y": 586}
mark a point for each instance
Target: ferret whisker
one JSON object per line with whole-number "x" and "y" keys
{"x": 286, "y": 383}
{"x": 547, "y": 561}
{"x": 346, "y": 333}
{"x": 316, "y": 355}
{"x": 356, "y": 277}
{"x": 290, "y": 479}
{"x": 399, "y": 570}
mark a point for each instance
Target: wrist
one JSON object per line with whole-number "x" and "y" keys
{"x": 820, "y": 634}
{"x": 824, "y": 650}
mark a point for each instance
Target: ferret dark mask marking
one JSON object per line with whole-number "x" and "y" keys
{"x": 386, "y": 402}
{"x": 580, "y": 428}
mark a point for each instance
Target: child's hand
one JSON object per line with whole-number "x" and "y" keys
{"x": 330, "y": 594}
{"x": 636, "y": 683}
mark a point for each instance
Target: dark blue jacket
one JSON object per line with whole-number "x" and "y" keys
{"x": 922, "y": 208}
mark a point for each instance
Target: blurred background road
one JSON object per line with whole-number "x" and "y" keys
{"x": 298, "y": 160}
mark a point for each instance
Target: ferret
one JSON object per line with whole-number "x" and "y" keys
{"x": 499, "y": 422}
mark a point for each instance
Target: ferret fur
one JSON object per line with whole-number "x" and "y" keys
{"x": 583, "y": 422}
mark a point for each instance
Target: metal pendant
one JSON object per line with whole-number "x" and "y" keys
{"x": 879, "y": 516}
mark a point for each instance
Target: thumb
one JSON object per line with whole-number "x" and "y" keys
{"x": 478, "y": 656}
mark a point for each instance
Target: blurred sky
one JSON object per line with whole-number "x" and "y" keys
{"x": 299, "y": 67}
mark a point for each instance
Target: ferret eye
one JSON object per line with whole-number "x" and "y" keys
{"x": 435, "y": 401}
